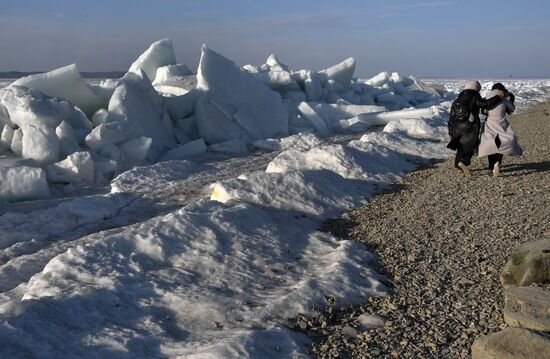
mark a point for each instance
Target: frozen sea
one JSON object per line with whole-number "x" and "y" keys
{"x": 205, "y": 258}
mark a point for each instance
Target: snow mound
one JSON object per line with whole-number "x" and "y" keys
{"x": 301, "y": 141}
{"x": 225, "y": 275}
{"x": 320, "y": 193}
{"x": 418, "y": 129}
{"x": 149, "y": 178}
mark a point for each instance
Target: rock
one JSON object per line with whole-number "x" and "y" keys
{"x": 528, "y": 307}
{"x": 512, "y": 343}
{"x": 370, "y": 321}
{"x": 530, "y": 264}
{"x": 349, "y": 331}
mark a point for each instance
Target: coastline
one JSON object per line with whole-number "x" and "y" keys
{"x": 442, "y": 240}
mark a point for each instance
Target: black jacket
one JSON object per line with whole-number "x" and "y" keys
{"x": 470, "y": 101}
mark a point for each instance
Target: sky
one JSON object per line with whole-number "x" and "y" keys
{"x": 428, "y": 38}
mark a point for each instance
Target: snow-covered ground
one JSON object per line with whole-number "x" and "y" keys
{"x": 206, "y": 253}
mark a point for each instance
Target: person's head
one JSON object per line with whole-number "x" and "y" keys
{"x": 498, "y": 86}
{"x": 472, "y": 85}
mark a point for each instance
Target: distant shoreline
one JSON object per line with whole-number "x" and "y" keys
{"x": 87, "y": 75}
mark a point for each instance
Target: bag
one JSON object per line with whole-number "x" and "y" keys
{"x": 460, "y": 110}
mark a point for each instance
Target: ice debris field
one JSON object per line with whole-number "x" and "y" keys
{"x": 175, "y": 214}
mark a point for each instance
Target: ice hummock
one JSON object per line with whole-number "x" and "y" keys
{"x": 161, "y": 110}
{"x": 234, "y": 105}
{"x": 67, "y": 83}
{"x": 158, "y": 55}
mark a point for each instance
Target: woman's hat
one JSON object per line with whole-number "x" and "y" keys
{"x": 472, "y": 85}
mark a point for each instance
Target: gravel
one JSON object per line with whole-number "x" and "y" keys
{"x": 442, "y": 240}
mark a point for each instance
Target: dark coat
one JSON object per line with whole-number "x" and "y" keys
{"x": 464, "y": 119}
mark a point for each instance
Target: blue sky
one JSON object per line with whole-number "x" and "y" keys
{"x": 426, "y": 37}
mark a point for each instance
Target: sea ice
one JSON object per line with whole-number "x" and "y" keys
{"x": 342, "y": 72}
{"x": 67, "y": 140}
{"x": 32, "y": 107}
{"x": 314, "y": 120}
{"x": 67, "y": 83}
{"x": 23, "y": 183}
{"x": 159, "y": 54}
{"x": 17, "y": 142}
{"x": 234, "y": 104}
{"x": 164, "y": 73}
{"x": 78, "y": 167}
{"x": 6, "y": 137}
{"x": 136, "y": 101}
{"x": 40, "y": 143}
{"x": 190, "y": 149}
{"x": 134, "y": 152}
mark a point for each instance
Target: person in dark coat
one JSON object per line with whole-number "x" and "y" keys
{"x": 464, "y": 123}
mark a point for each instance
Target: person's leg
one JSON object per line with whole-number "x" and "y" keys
{"x": 467, "y": 158}
{"x": 462, "y": 160}
{"x": 458, "y": 156}
{"x": 493, "y": 158}
{"x": 497, "y": 164}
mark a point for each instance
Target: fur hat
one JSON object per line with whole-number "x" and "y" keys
{"x": 472, "y": 85}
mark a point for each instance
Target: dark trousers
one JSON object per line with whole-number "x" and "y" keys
{"x": 466, "y": 146}
{"x": 463, "y": 156}
{"x": 495, "y": 157}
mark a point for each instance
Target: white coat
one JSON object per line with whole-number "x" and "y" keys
{"x": 497, "y": 125}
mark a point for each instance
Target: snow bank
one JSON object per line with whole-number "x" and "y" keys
{"x": 319, "y": 193}
{"x": 234, "y": 104}
{"x": 67, "y": 83}
{"x": 301, "y": 141}
{"x": 148, "y": 178}
{"x": 21, "y": 183}
{"x": 226, "y": 276}
{"x": 417, "y": 129}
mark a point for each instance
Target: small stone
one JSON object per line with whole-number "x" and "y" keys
{"x": 370, "y": 321}
{"x": 349, "y": 331}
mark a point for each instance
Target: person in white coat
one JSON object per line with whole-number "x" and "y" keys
{"x": 498, "y": 138}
